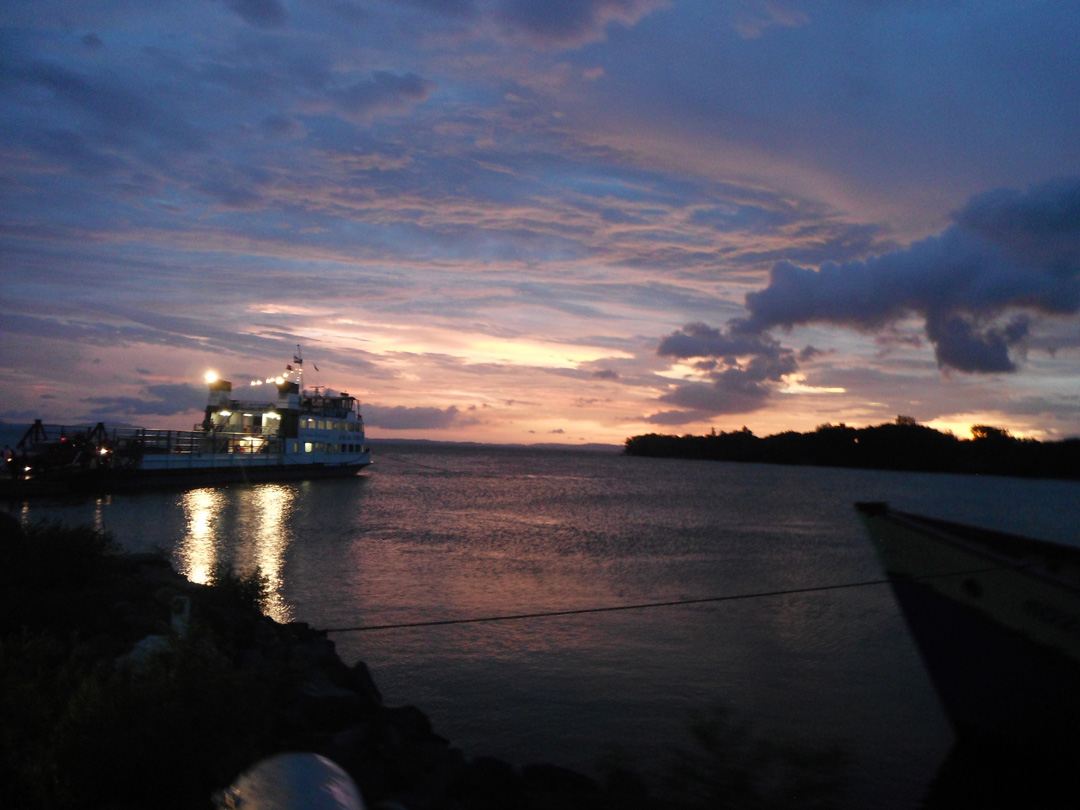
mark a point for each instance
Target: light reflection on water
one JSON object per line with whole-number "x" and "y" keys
{"x": 269, "y": 508}
{"x": 198, "y": 549}
{"x": 248, "y": 528}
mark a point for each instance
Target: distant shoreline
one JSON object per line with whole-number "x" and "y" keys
{"x": 902, "y": 445}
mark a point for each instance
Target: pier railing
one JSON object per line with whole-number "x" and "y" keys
{"x": 86, "y": 441}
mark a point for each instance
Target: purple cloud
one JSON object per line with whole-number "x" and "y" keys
{"x": 743, "y": 369}
{"x": 1008, "y": 256}
{"x": 384, "y": 92}
{"x": 569, "y": 23}
{"x": 260, "y": 13}
{"x": 163, "y": 400}
{"x": 401, "y": 417}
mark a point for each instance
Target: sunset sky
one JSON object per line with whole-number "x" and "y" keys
{"x": 548, "y": 221}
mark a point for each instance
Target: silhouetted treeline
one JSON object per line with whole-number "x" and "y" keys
{"x": 902, "y": 445}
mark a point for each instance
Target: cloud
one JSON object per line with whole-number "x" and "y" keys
{"x": 742, "y": 368}
{"x": 260, "y": 13}
{"x": 676, "y": 417}
{"x": 452, "y": 8}
{"x": 401, "y": 417}
{"x": 569, "y": 23}
{"x": 384, "y": 92}
{"x": 752, "y": 19}
{"x": 977, "y": 285}
{"x": 166, "y": 399}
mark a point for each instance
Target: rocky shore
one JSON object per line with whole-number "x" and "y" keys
{"x": 127, "y": 685}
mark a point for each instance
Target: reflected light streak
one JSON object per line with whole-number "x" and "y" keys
{"x": 260, "y": 537}
{"x": 99, "y": 512}
{"x": 198, "y": 549}
{"x": 270, "y": 539}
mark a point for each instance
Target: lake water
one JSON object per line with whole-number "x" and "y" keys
{"x": 442, "y": 532}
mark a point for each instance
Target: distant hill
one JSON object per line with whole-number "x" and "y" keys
{"x": 901, "y": 445}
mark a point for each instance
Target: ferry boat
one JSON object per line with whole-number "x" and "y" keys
{"x": 303, "y": 434}
{"x": 996, "y": 619}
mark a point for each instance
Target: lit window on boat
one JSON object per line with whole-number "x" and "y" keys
{"x": 307, "y": 447}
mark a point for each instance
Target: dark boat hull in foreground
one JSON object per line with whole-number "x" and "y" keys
{"x": 996, "y": 619}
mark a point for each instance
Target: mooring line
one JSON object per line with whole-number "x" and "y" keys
{"x": 509, "y": 617}
{"x": 609, "y": 609}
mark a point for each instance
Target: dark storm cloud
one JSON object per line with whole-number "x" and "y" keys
{"x": 977, "y": 285}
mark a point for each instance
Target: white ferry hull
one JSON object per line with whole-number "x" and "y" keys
{"x": 196, "y": 474}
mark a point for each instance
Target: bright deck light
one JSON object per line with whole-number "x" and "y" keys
{"x": 211, "y": 377}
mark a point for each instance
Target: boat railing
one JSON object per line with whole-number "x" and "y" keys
{"x": 331, "y": 407}
{"x": 254, "y": 406}
{"x": 247, "y": 430}
{"x": 148, "y": 441}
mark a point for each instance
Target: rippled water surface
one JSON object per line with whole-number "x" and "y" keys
{"x": 441, "y": 532}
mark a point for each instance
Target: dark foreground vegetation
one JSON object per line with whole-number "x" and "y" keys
{"x": 107, "y": 700}
{"x": 901, "y": 445}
